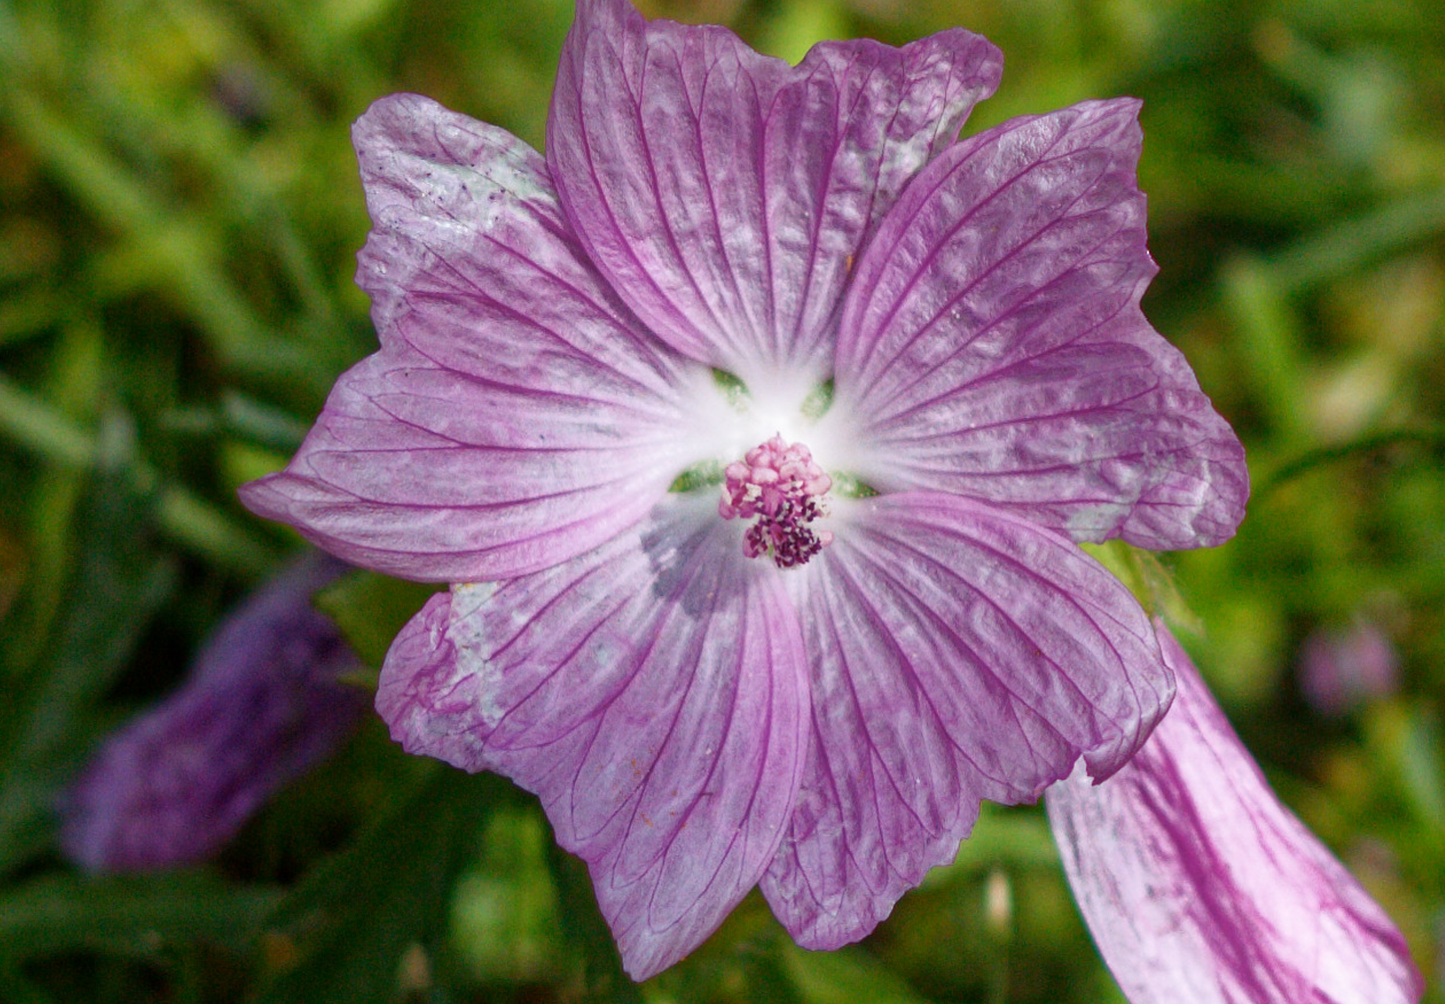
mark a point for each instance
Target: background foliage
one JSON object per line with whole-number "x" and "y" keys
{"x": 179, "y": 214}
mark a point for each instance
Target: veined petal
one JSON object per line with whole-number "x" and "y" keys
{"x": 958, "y": 653}
{"x": 422, "y": 472}
{"x": 653, "y": 692}
{"x": 516, "y": 414}
{"x": 1201, "y": 888}
{"x": 725, "y": 193}
{"x": 993, "y": 346}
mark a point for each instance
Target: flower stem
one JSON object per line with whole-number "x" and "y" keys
{"x": 1432, "y": 439}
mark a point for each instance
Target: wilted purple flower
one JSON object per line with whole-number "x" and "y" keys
{"x": 1340, "y": 667}
{"x": 1201, "y": 888}
{"x": 604, "y": 382}
{"x": 261, "y": 707}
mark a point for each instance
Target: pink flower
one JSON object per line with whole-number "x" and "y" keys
{"x": 1342, "y": 667}
{"x": 1201, "y": 888}
{"x": 262, "y": 706}
{"x": 756, "y": 426}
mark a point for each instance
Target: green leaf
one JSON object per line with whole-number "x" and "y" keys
{"x": 356, "y": 916}
{"x": 583, "y": 926}
{"x": 1430, "y": 441}
{"x": 205, "y": 530}
{"x": 117, "y": 586}
{"x": 846, "y": 976}
{"x": 1406, "y": 743}
{"x": 130, "y": 913}
{"x": 43, "y": 428}
{"x": 1342, "y": 247}
{"x": 1148, "y": 579}
{"x": 504, "y": 918}
{"x": 797, "y": 26}
{"x": 370, "y": 609}
{"x": 1271, "y": 342}
{"x": 1014, "y": 836}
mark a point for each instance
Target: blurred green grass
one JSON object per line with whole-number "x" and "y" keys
{"x": 179, "y": 215}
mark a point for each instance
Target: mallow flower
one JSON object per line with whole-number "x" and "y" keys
{"x": 756, "y": 427}
{"x": 1201, "y": 888}
{"x": 261, "y": 706}
{"x": 1345, "y": 666}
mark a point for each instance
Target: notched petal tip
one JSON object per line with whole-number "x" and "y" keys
{"x": 972, "y": 62}
{"x": 262, "y": 498}
{"x": 328, "y": 517}
{"x": 679, "y": 153}
{"x": 1197, "y": 500}
{"x": 391, "y": 117}
{"x": 992, "y": 344}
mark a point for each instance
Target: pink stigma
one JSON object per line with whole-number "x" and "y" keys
{"x": 781, "y": 485}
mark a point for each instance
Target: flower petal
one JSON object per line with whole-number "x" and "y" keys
{"x": 958, "y": 653}
{"x": 993, "y": 346}
{"x": 516, "y": 414}
{"x": 262, "y": 706}
{"x": 725, "y": 193}
{"x": 1201, "y": 888}
{"x": 653, "y": 692}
